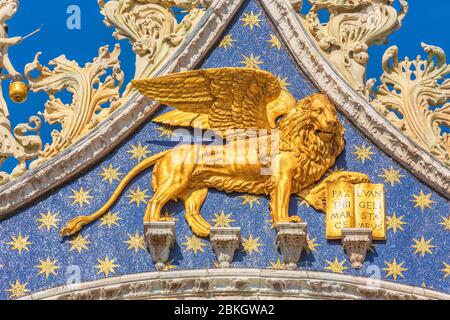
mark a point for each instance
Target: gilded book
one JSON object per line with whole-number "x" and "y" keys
{"x": 355, "y": 206}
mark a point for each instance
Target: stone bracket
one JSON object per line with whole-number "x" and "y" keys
{"x": 356, "y": 242}
{"x": 160, "y": 239}
{"x": 352, "y": 105}
{"x": 291, "y": 240}
{"x": 225, "y": 243}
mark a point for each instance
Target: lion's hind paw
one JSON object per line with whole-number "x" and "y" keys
{"x": 292, "y": 219}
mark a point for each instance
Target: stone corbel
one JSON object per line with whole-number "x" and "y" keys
{"x": 225, "y": 243}
{"x": 356, "y": 243}
{"x": 160, "y": 239}
{"x": 291, "y": 240}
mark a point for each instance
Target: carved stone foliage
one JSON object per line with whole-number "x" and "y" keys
{"x": 20, "y": 145}
{"x": 351, "y": 104}
{"x": 93, "y": 98}
{"x": 353, "y": 26}
{"x": 291, "y": 240}
{"x": 225, "y": 243}
{"x": 152, "y": 28}
{"x": 415, "y": 96}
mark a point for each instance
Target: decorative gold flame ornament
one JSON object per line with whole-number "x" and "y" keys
{"x": 263, "y": 155}
{"x": 18, "y": 91}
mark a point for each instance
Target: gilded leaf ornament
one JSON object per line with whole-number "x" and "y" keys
{"x": 241, "y": 105}
{"x": 394, "y": 269}
{"x": 413, "y": 94}
{"x": 18, "y": 290}
{"x": 18, "y": 144}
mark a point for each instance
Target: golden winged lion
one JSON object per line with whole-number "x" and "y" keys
{"x": 233, "y": 102}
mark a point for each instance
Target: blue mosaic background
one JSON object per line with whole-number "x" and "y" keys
{"x": 21, "y": 268}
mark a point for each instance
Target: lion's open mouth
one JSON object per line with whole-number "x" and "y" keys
{"x": 325, "y": 134}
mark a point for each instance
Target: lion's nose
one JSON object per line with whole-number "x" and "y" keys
{"x": 332, "y": 123}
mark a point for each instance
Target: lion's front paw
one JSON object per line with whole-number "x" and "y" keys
{"x": 355, "y": 178}
{"x": 292, "y": 219}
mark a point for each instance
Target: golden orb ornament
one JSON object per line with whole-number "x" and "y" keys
{"x": 18, "y": 91}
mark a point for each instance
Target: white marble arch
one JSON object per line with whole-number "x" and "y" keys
{"x": 249, "y": 284}
{"x": 113, "y": 131}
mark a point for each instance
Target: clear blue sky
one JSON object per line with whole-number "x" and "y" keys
{"x": 427, "y": 21}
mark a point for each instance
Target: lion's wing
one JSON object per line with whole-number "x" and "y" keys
{"x": 220, "y": 99}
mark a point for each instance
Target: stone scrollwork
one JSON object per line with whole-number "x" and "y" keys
{"x": 353, "y": 26}
{"x": 291, "y": 240}
{"x": 93, "y": 98}
{"x": 415, "y": 96}
{"x": 356, "y": 243}
{"x": 152, "y": 28}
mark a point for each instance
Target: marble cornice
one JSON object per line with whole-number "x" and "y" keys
{"x": 238, "y": 283}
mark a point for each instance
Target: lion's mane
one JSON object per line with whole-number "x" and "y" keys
{"x": 298, "y": 135}
{"x": 314, "y": 156}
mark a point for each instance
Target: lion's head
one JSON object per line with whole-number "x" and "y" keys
{"x": 313, "y": 132}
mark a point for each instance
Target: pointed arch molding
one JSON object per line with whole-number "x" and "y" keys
{"x": 116, "y": 129}
{"x": 238, "y": 283}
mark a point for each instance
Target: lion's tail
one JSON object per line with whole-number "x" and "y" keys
{"x": 75, "y": 225}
